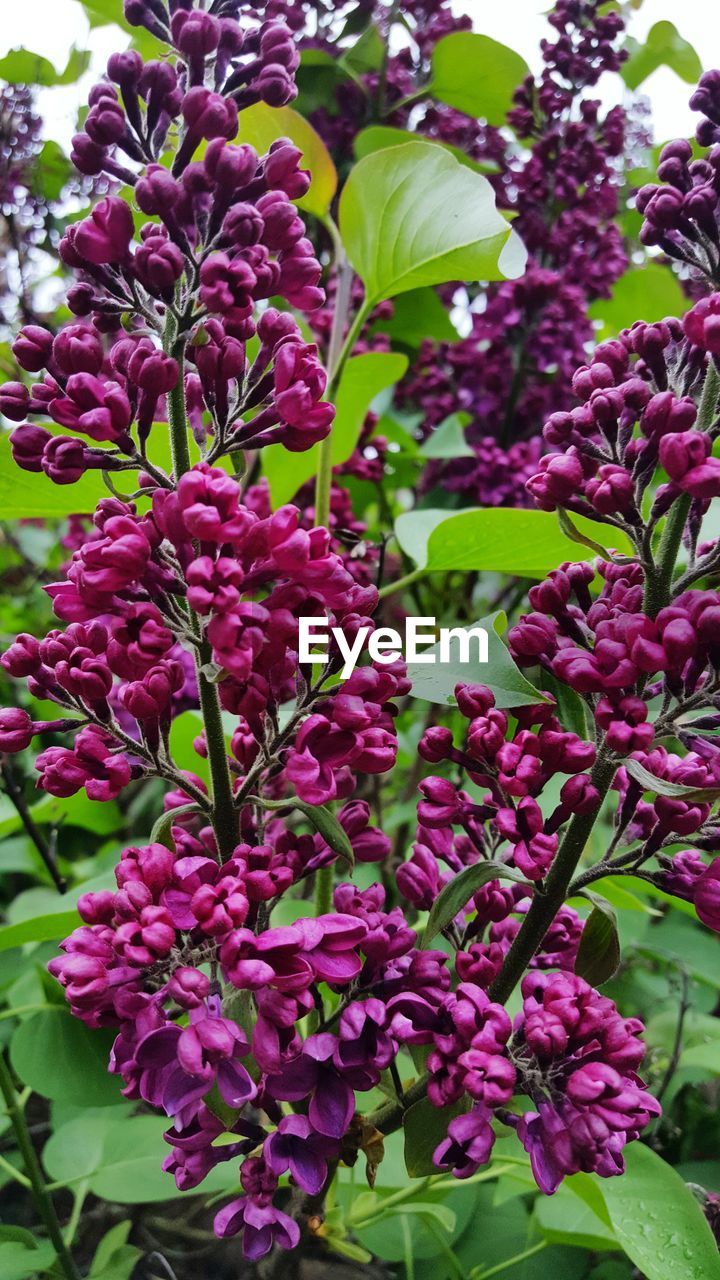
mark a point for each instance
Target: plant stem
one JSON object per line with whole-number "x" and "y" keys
{"x": 391, "y": 587}
{"x": 177, "y": 416}
{"x": 510, "y": 1262}
{"x": 545, "y": 905}
{"x": 16, "y": 796}
{"x": 224, "y": 814}
{"x": 335, "y": 361}
{"x": 41, "y": 1197}
{"x": 338, "y": 353}
{"x": 323, "y": 890}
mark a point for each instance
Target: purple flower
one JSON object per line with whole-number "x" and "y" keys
{"x": 468, "y": 1145}
{"x": 262, "y": 1225}
{"x": 297, "y": 1147}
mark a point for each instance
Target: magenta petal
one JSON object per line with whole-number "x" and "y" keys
{"x": 231, "y": 1219}
{"x": 307, "y": 1168}
{"x": 234, "y": 1084}
{"x": 341, "y": 967}
{"x": 182, "y": 1089}
{"x": 332, "y": 1107}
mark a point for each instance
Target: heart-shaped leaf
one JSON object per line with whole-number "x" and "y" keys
{"x": 413, "y": 216}
{"x": 435, "y": 682}
{"x": 477, "y": 75}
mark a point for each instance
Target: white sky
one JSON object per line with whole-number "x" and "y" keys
{"x": 50, "y": 27}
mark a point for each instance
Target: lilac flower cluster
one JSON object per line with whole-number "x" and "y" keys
{"x": 516, "y": 365}
{"x": 248, "y": 579}
{"x": 169, "y": 309}
{"x": 21, "y": 203}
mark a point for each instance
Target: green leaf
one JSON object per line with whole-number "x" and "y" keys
{"x": 660, "y": 787}
{"x": 40, "y": 929}
{"x": 59, "y": 1057}
{"x": 21, "y": 66}
{"x": 322, "y": 819}
{"x": 20, "y": 1259}
{"x": 657, "y": 1220}
{"x": 663, "y": 46}
{"x": 363, "y": 378}
{"x": 122, "y": 1260}
{"x": 261, "y": 125}
{"x": 435, "y": 682}
{"x": 572, "y": 532}
{"x": 161, "y": 832}
{"x": 448, "y": 439}
{"x": 184, "y": 729}
{"x": 377, "y": 137}
{"x": 413, "y": 216}
{"x": 25, "y": 495}
{"x": 112, "y": 1242}
{"x": 418, "y": 316}
{"x": 527, "y": 543}
{"x": 366, "y": 54}
{"x": 650, "y": 293}
{"x": 477, "y": 75}
{"x": 457, "y": 893}
{"x": 564, "y": 1218}
{"x": 130, "y": 1170}
{"x": 51, "y": 172}
{"x": 102, "y": 12}
{"x": 74, "y": 1150}
{"x": 425, "y": 1127}
{"x": 598, "y": 955}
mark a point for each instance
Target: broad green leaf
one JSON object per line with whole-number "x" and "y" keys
{"x": 425, "y": 1127}
{"x": 74, "y": 811}
{"x": 261, "y": 125}
{"x": 21, "y": 66}
{"x": 322, "y": 819}
{"x": 457, "y": 893}
{"x": 22, "y": 1258}
{"x": 51, "y": 171}
{"x": 184, "y": 729}
{"x": 677, "y": 790}
{"x": 663, "y": 46}
{"x": 705, "y": 1056}
{"x": 39, "y": 929}
{"x": 648, "y": 293}
{"x": 435, "y": 682}
{"x": 74, "y": 1150}
{"x": 657, "y": 1220}
{"x": 598, "y": 955}
{"x": 416, "y": 317}
{"x": 377, "y": 137}
{"x": 565, "y": 1219}
{"x": 59, "y": 1057}
{"x": 413, "y": 216}
{"x": 100, "y": 13}
{"x": 25, "y": 495}
{"x": 448, "y": 439}
{"x": 366, "y": 54}
{"x": 363, "y": 378}
{"x": 130, "y": 1168}
{"x": 477, "y": 75}
{"x": 112, "y": 1246}
{"x": 527, "y": 543}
